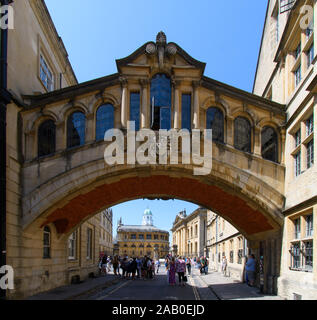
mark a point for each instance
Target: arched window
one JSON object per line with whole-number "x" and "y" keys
{"x": 104, "y": 120}
{"x": 269, "y": 144}
{"x": 47, "y": 243}
{"x": 161, "y": 99}
{"x": 242, "y": 134}
{"x": 46, "y": 138}
{"x": 215, "y": 121}
{"x": 76, "y": 125}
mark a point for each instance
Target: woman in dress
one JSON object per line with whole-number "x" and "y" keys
{"x": 171, "y": 272}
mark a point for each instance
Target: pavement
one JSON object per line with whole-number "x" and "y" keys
{"x": 76, "y": 291}
{"x": 215, "y": 286}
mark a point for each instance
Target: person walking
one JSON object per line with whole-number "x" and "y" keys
{"x": 139, "y": 264}
{"x": 181, "y": 270}
{"x": 133, "y": 268}
{"x": 250, "y": 268}
{"x": 224, "y": 266}
{"x": 115, "y": 265}
{"x": 171, "y": 272}
{"x": 189, "y": 266}
{"x": 158, "y": 264}
{"x": 104, "y": 264}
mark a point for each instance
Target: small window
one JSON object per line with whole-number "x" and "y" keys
{"x": 47, "y": 243}
{"x": 269, "y": 144}
{"x": 141, "y": 236}
{"x": 310, "y": 154}
{"x": 89, "y": 244}
{"x": 310, "y": 55}
{"x": 186, "y": 111}
{"x": 135, "y": 109}
{"x": 156, "y": 237}
{"x": 295, "y": 256}
{"x": 242, "y": 134}
{"x": 46, "y": 74}
{"x": 133, "y": 236}
{"x": 298, "y": 75}
{"x": 298, "y": 51}
{"x": 215, "y": 121}
{"x": 148, "y": 237}
{"x": 297, "y": 164}
{"x": 309, "y": 226}
{"x": 298, "y": 139}
{"x": 46, "y": 138}
{"x": 104, "y": 120}
{"x": 310, "y": 125}
{"x": 297, "y": 229}
{"x": 76, "y": 126}
{"x": 308, "y": 256}
{"x": 72, "y": 246}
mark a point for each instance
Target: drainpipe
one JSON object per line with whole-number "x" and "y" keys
{"x": 4, "y": 100}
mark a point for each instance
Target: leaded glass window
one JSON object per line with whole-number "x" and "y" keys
{"x": 215, "y": 121}
{"x": 47, "y": 243}
{"x": 135, "y": 109}
{"x": 269, "y": 144}
{"x": 161, "y": 99}
{"x": 76, "y": 125}
{"x": 242, "y": 134}
{"x": 186, "y": 111}
{"x": 46, "y": 138}
{"x": 104, "y": 120}
{"x": 310, "y": 154}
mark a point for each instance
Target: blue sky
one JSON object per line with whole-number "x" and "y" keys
{"x": 224, "y": 34}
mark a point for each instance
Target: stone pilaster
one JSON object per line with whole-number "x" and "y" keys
{"x": 196, "y": 85}
{"x": 145, "y": 106}
{"x": 177, "y": 106}
{"x": 60, "y": 136}
{"x": 90, "y": 128}
{"x": 230, "y": 131}
{"x": 124, "y": 102}
{"x": 257, "y": 141}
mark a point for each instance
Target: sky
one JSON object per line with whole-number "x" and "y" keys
{"x": 226, "y": 35}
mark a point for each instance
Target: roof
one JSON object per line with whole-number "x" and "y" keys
{"x": 140, "y": 229}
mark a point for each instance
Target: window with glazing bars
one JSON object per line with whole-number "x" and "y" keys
{"x": 242, "y": 134}
{"x": 307, "y": 250}
{"x": 104, "y": 120}
{"x": 135, "y": 109}
{"x": 297, "y": 160}
{"x": 72, "y": 246}
{"x": 231, "y": 256}
{"x": 298, "y": 51}
{"x": 297, "y": 229}
{"x": 240, "y": 255}
{"x": 309, "y": 226}
{"x": 46, "y": 75}
{"x": 215, "y": 121}
{"x": 187, "y": 111}
{"x": 298, "y": 138}
{"x": 310, "y": 154}
{"x": 47, "y": 243}
{"x": 76, "y": 126}
{"x": 309, "y": 125}
{"x": 295, "y": 256}
{"x": 46, "y": 138}
{"x": 298, "y": 75}
{"x": 310, "y": 55}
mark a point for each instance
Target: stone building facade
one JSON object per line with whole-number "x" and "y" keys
{"x": 287, "y": 74}
{"x": 141, "y": 240}
{"x": 106, "y": 233}
{"x": 225, "y": 240}
{"x": 189, "y": 233}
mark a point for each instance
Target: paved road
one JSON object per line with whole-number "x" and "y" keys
{"x": 156, "y": 289}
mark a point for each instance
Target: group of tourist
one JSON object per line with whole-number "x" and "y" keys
{"x": 131, "y": 268}
{"x": 146, "y": 268}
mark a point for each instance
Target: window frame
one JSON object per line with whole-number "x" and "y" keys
{"x": 47, "y": 235}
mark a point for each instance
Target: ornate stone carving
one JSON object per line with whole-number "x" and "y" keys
{"x": 161, "y": 48}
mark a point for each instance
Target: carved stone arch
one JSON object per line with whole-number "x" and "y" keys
{"x": 245, "y": 114}
{"x": 101, "y": 99}
{"x": 72, "y": 107}
{"x": 269, "y": 122}
{"x": 38, "y": 118}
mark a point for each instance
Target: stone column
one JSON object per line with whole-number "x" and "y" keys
{"x": 282, "y": 148}
{"x": 196, "y": 85}
{"x": 230, "y": 131}
{"x": 177, "y": 110}
{"x": 257, "y": 141}
{"x": 145, "y": 106}
{"x": 61, "y": 136}
{"x": 124, "y": 103}
{"x": 90, "y": 128}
